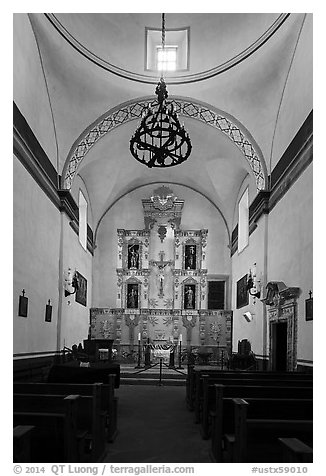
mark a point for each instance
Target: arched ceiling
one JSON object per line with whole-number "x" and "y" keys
{"x": 239, "y": 64}
{"x": 105, "y": 39}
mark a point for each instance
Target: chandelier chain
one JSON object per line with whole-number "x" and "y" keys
{"x": 160, "y": 140}
{"x": 163, "y": 31}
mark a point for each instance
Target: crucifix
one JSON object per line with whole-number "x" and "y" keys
{"x": 161, "y": 264}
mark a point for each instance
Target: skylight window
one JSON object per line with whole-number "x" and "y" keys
{"x": 167, "y": 58}
{"x": 174, "y": 58}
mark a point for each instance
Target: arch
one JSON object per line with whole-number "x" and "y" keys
{"x": 132, "y": 110}
{"x": 163, "y": 182}
{"x": 180, "y": 79}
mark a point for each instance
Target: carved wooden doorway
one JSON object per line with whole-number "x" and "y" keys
{"x": 279, "y": 346}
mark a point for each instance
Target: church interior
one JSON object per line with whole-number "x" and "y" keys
{"x": 162, "y": 237}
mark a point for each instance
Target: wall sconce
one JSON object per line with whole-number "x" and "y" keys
{"x": 23, "y": 304}
{"x": 252, "y": 283}
{"x": 70, "y": 281}
{"x": 48, "y": 312}
{"x": 248, "y": 316}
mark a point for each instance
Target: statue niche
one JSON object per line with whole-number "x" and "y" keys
{"x": 189, "y": 296}
{"x": 133, "y": 256}
{"x": 190, "y": 256}
{"x": 132, "y": 296}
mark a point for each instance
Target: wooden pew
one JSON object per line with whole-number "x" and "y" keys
{"x": 195, "y": 374}
{"x": 73, "y": 373}
{"x": 54, "y": 438}
{"x": 104, "y": 392}
{"x": 22, "y": 443}
{"x": 89, "y": 419}
{"x": 256, "y": 439}
{"x": 222, "y": 415}
{"x": 206, "y": 403}
{"x": 295, "y": 451}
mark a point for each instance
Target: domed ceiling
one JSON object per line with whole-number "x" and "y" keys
{"x": 106, "y": 39}
{"x": 229, "y": 98}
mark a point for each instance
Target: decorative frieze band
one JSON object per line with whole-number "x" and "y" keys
{"x": 133, "y": 111}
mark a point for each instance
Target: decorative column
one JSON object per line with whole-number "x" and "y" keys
{"x": 189, "y": 322}
{"x": 203, "y": 289}
{"x": 132, "y": 320}
{"x": 175, "y": 323}
{"x": 177, "y": 289}
{"x": 121, "y": 234}
{"x": 145, "y": 254}
{"x": 203, "y": 248}
{"x": 144, "y": 299}
{"x": 117, "y": 342}
{"x": 202, "y": 327}
{"x": 144, "y": 324}
{"x": 177, "y": 250}
{"x": 119, "y": 288}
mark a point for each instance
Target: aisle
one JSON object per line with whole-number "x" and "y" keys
{"x": 156, "y": 427}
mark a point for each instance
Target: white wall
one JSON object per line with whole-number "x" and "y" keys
{"x": 36, "y": 242}
{"x": 38, "y": 266}
{"x": 241, "y": 264}
{"x": 75, "y": 316}
{"x": 290, "y": 250}
{"x": 297, "y": 100}
{"x": 127, "y": 213}
{"x": 29, "y": 87}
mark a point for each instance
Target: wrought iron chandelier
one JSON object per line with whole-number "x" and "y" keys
{"x": 160, "y": 140}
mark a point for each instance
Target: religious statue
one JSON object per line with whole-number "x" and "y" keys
{"x": 190, "y": 257}
{"x": 133, "y": 298}
{"x": 189, "y": 298}
{"x": 161, "y": 281}
{"x": 133, "y": 257}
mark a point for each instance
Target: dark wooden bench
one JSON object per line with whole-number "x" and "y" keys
{"x": 206, "y": 401}
{"x": 223, "y": 416}
{"x": 89, "y": 420}
{"x": 257, "y": 439}
{"x": 73, "y": 373}
{"x": 295, "y": 451}
{"x": 195, "y": 374}
{"x": 22, "y": 443}
{"x": 54, "y": 437}
{"x": 104, "y": 392}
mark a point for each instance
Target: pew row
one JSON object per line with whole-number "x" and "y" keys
{"x": 103, "y": 392}
{"x": 73, "y": 373}
{"x": 195, "y": 374}
{"x": 54, "y": 437}
{"x": 22, "y": 443}
{"x": 257, "y": 439}
{"x": 259, "y": 389}
{"x": 295, "y": 451}
{"x": 86, "y": 426}
{"x": 223, "y": 420}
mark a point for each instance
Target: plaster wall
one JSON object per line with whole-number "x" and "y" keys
{"x": 29, "y": 86}
{"x": 127, "y": 213}
{"x": 290, "y": 251}
{"x": 39, "y": 263}
{"x": 75, "y": 316}
{"x": 36, "y": 242}
{"x": 241, "y": 264}
{"x": 297, "y": 99}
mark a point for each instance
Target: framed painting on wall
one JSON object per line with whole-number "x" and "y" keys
{"x": 242, "y": 292}
{"x": 81, "y": 292}
{"x": 23, "y": 305}
{"x": 309, "y": 309}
